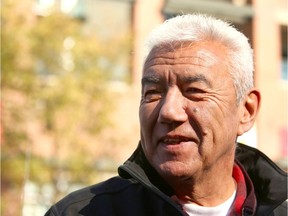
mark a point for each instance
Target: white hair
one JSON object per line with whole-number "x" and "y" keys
{"x": 199, "y": 27}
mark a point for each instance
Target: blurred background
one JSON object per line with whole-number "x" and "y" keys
{"x": 71, "y": 86}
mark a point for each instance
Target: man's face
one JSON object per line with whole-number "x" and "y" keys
{"x": 188, "y": 113}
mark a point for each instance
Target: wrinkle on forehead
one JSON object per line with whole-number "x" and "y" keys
{"x": 199, "y": 55}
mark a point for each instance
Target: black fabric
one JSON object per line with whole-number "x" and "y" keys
{"x": 115, "y": 197}
{"x": 138, "y": 167}
{"x": 140, "y": 191}
{"x": 270, "y": 182}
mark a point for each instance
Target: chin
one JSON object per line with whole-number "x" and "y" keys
{"x": 174, "y": 169}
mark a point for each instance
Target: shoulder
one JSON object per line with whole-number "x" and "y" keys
{"x": 254, "y": 160}
{"x": 76, "y": 201}
{"x": 269, "y": 181}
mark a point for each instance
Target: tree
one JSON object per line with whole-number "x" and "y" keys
{"x": 54, "y": 82}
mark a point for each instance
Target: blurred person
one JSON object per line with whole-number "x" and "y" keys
{"x": 197, "y": 98}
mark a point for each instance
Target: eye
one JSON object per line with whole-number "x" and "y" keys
{"x": 194, "y": 90}
{"x": 194, "y": 93}
{"x": 152, "y": 95}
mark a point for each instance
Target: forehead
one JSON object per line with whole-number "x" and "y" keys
{"x": 186, "y": 60}
{"x": 186, "y": 56}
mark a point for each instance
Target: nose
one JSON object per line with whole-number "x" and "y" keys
{"x": 173, "y": 108}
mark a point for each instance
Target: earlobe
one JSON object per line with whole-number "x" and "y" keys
{"x": 251, "y": 106}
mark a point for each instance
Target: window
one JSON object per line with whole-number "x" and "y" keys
{"x": 284, "y": 59}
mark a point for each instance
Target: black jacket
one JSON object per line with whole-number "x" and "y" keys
{"x": 139, "y": 190}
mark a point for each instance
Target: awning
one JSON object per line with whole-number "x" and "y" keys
{"x": 219, "y": 8}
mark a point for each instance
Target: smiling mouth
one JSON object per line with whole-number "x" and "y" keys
{"x": 168, "y": 140}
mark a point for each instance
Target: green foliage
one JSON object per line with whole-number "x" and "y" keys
{"x": 16, "y": 58}
{"x": 54, "y": 83}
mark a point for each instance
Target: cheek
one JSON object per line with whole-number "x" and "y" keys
{"x": 209, "y": 113}
{"x": 148, "y": 115}
{"x": 201, "y": 115}
{"x": 219, "y": 124}
{"x": 208, "y": 121}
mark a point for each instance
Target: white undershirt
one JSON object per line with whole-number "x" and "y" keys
{"x": 220, "y": 210}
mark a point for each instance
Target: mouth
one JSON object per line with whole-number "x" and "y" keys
{"x": 175, "y": 140}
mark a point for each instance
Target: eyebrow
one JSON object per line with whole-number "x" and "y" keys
{"x": 196, "y": 78}
{"x": 154, "y": 79}
{"x": 150, "y": 79}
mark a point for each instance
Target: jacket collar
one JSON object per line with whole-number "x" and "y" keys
{"x": 270, "y": 182}
{"x": 137, "y": 166}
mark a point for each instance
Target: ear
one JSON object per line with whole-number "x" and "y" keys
{"x": 250, "y": 107}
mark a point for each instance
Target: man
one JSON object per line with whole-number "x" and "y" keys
{"x": 197, "y": 98}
